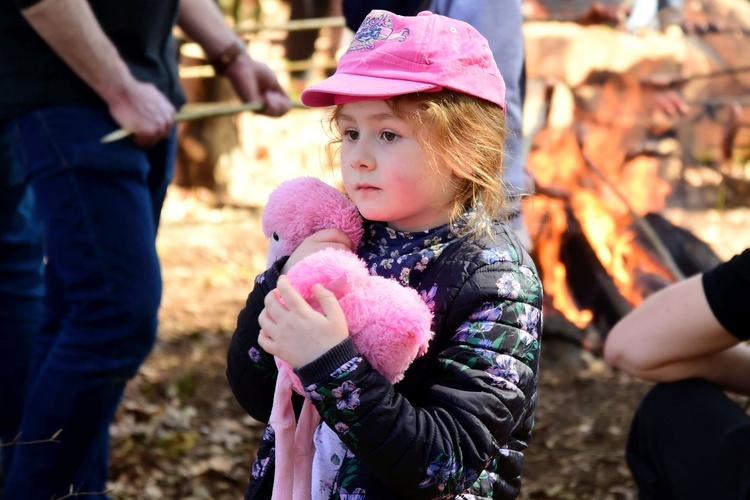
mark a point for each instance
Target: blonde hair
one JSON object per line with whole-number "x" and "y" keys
{"x": 463, "y": 133}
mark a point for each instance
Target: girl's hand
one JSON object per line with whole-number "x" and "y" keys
{"x": 294, "y": 331}
{"x": 325, "y": 238}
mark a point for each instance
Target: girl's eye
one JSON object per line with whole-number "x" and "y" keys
{"x": 352, "y": 135}
{"x": 389, "y": 136}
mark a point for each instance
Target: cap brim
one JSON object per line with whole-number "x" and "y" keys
{"x": 341, "y": 88}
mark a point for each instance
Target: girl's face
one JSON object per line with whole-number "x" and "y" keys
{"x": 385, "y": 172}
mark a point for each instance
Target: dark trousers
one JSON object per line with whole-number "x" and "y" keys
{"x": 21, "y": 291}
{"x": 100, "y": 205}
{"x": 688, "y": 440}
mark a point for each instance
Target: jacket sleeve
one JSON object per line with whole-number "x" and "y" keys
{"x": 251, "y": 371}
{"x": 479, "y": 391}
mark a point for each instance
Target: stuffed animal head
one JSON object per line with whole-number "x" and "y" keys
{"x": 302, "y": 206}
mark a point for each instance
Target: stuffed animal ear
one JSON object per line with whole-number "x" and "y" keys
{"x": 340, "y": 286}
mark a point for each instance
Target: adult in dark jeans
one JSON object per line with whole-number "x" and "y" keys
{"x": 72, "y": 71}
{"x": 689, "y": 439}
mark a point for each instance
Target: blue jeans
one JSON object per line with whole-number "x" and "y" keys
{"x": 21, "y": 291}
{"x": 100, "y": 206}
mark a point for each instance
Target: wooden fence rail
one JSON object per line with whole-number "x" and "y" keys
{"x": 193, "y": 50}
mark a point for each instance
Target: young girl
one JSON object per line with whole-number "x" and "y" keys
{"x": 420, "y": 120}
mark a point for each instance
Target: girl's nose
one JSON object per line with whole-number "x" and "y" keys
{"x": 361, "y": 157}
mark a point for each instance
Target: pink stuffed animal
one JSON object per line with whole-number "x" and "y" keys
{"x": 389, "y": 323}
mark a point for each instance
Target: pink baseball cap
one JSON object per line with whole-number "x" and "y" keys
{"x": 394, "y": 55}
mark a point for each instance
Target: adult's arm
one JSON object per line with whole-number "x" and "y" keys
{"x": 70, "y": 28}
{"x": 675, "y": 335}
{"x": 253, "y": 81}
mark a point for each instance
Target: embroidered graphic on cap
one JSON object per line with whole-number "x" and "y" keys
{"x": 376, "y": 28}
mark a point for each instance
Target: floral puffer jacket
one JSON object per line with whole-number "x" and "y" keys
{"x": 457, "y": 424}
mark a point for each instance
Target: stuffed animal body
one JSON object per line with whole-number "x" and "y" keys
{"x": 389, "y": 324}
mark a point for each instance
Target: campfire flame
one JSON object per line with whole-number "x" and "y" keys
{"x": 605, "y": 203}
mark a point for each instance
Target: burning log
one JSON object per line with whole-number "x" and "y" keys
{"x": 598, "y": 257}
{"x": 643, "y": 225}
{"x": 607, "y": 157}
{"x": 592, "y": 287}
{"x": 691, "y": 254}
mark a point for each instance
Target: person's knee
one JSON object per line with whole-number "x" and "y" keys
{"x": 681, "y": 390}
{"x": 672, "y": 396}
{"x": 672, "y": 405}
{"x": 139, "y": 318}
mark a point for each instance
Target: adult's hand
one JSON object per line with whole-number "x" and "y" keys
{"x": 144, "y": 110}
{"x": 70, "y": 28}
{"x": 255, "y": 82}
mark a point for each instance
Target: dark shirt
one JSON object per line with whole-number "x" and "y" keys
{"x": 355, "y": 11}
{"x": 33, "y": 76}
{"x": 727, "y": 289}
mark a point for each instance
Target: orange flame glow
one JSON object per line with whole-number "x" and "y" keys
{"x": 605, "y": 205}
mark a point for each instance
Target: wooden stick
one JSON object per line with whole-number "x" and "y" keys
{"x": 197, "y": 111}
{"x": 207, "y": 71}
{"x": 17, "y": 440}
{"x": 665, "y": 80}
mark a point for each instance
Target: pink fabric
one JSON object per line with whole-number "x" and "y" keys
{"x": 388, "y": 323}
{"x": 395, "y": 55}
{"x": 294, "y": 441}
{"x": 283, "y": 422}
